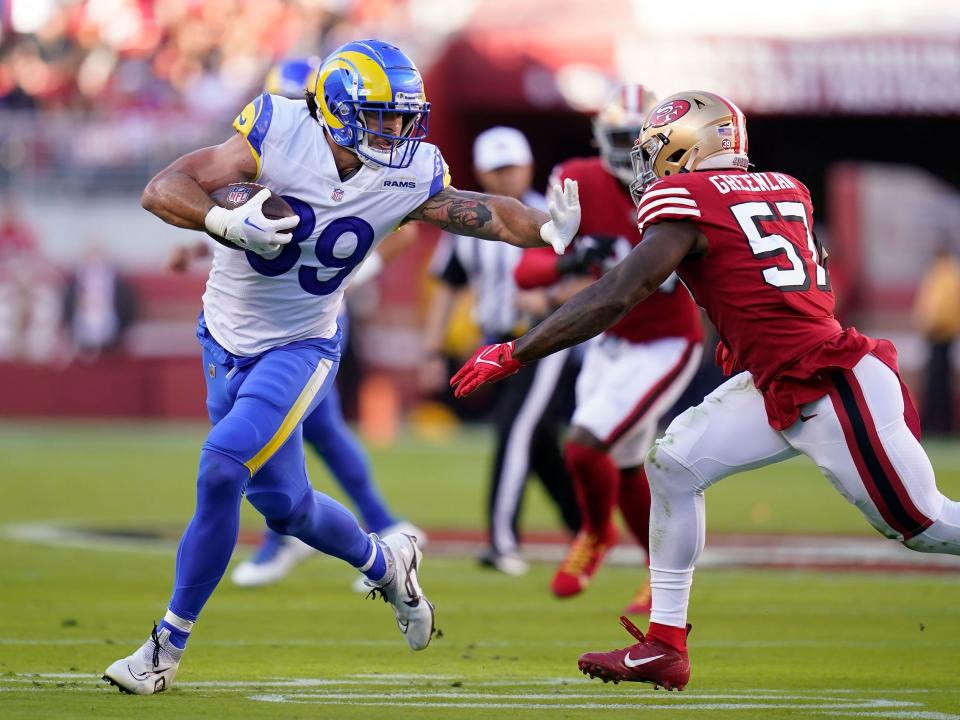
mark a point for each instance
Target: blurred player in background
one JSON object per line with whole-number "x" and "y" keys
{"x": 98, "y": 305}
{"x": 742, "y": 242}
{"x": 30, "y": 292}
{"x": 529, "y": 412}
{"x": 325, "y": 429}
{"x": 351, "y": 162}
{"x": 936, "y": 314}
{"x": 637, "y": 369}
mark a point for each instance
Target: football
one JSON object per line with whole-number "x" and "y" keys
{"x": 236, "y": 194}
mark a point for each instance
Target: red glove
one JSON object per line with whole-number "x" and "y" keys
{"x": 488, "y": 365}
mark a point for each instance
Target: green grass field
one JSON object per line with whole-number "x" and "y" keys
{"x": 767, "y": 644}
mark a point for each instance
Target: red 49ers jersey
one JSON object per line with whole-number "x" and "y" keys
{"x": 608, "y": 211}
{"x": 763, "y": 280}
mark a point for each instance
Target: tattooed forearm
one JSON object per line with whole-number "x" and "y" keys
{"x": 457, "y": 212}
{"x": 469, "y": 214}
{"x": 490, "y": 217}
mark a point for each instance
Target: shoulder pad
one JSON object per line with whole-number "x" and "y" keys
{"x": 253, "y": 123}
{"x": 441, "y": 173}
{"x": 667, "y": 199}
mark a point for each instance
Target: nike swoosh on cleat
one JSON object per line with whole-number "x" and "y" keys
{"x": 631, "y": 663}
{"x": 140, "y": 676}
{"x": 246, "y": 221}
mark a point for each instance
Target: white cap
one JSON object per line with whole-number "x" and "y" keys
{"x": 499, "y": 147}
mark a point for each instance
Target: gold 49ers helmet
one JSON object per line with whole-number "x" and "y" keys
{"x": 689, "y": 131}
{"x": 617, "y": 126}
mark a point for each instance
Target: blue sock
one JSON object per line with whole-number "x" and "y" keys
{"x": 376, "y": 567}
{"x": 178, "y": 627}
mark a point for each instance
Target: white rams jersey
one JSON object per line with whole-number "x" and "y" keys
{"x": 252, "y": 304}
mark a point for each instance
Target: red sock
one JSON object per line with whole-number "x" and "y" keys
{"x": 597, "y": 483}
{"x": 673, "y": 636}
{"x": 635, "y": 504}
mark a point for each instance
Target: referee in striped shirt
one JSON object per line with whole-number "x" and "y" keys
{"x": 533, "y": 406}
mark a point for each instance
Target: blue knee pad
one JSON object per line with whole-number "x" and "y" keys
{"x": 239, "y": 435}
{"x": 280, "y": 516}
{"x": 221, "y": 477}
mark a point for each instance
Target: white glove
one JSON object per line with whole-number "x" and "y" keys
{"x": 247, "y": 227}
{"x": 564, "y": 216}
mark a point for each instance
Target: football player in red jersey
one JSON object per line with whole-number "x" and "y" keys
{"x": 639, "y": 367}
{"x": 741, "y": 242}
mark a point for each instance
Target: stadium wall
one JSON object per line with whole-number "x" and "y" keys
{"x": 121, "y": 387}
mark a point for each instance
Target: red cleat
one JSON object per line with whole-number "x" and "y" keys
{"x": 650, "y": 661}
{"x": 641, "y": 602}
{"x": 582, "y": 562}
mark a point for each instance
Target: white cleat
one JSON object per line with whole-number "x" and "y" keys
{"x": 150, "y": 669}
{"x": 271, "y": 564}
{"x": 413, "y": 611}
{"x": 360, "y": 584}
{"x": 507, "y": 563}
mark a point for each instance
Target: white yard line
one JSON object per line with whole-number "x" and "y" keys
{"x": 582, "y": 694}
{"x": 837, "y": 709}
{"x": 53, "y": 535}
{"x": 905, "y": 715}
{"x": 410, "y": 695}
{"x": 793, "y": 551}
{"x": 481, "y": 644}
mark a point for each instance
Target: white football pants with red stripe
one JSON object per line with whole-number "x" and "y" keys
{"x": 856, "y": 435}
{"x": 624, "y": 388}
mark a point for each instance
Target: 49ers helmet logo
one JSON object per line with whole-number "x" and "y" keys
{"x": 668, "y": 112}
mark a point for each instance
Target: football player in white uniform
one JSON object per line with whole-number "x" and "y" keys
{"x": 351, "y": 162}
{"x": 324, "y": 429}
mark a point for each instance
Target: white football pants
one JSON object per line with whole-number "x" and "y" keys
{"x": 856, "y": 435}
{"x": 624, "y": 388}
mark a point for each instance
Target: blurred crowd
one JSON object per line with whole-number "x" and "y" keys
{"x": 204, "y": 56}
{"x": 58, "y": 314}
{"x": 124, "y": 86}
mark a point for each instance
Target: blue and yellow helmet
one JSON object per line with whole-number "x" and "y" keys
{"x": 290, "y": 78}
{"x": 360, "y": 83}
